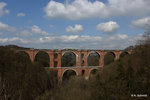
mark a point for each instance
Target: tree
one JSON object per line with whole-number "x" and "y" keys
{"x": 21, "y": 79}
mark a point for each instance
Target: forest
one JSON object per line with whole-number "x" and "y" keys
{"x": 122, "y": 79}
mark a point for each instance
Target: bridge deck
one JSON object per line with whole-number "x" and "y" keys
{"x": 75, "y": 67}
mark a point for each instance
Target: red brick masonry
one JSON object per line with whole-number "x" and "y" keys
{"x": 78, "y": 69}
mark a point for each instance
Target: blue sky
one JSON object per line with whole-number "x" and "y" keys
{"x": 79, "y": 24}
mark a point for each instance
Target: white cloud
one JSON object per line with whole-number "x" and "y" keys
{"x": 70, "y": 39}
{"x": 5, "y": 27}
{"x": 2, "y": 10}
{"x": 36, "y": 29}
{"x": 80, "y": 9}
{"x": 143, "y": 23}
{"x": 13, "y": 40}
{"x": 21, "y": 14}
{"x": 108, "y": 27}
{"x": 118, "y": 41}
{"x": 24, "y": 33}
{"x": 76, "y": 29}
{"x": 118, "y": 37}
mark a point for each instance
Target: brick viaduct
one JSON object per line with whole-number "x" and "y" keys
{"x": 81, "y": 55}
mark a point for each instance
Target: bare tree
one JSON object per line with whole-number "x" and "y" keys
{"x": 145, "y": 40}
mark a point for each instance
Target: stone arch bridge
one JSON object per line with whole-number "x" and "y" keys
{"x": 81, "y": 55}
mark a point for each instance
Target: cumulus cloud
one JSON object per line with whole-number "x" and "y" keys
{"x": 108, "y": 27}
{"x": 13, "y": 40}
{"x": 117, "y": 41}
{"x": 80, "y": 9}
{"x": 76, "y": 29}
{"x": 21, "y": 14}
{"x": 36, "y": 29}
{"x": 118, "y": 37}
{"x": 65, "y": 39}
{"x": 143, "y": 23}
{"x": 6, "y": 27}
{"x": 2, "y": 10}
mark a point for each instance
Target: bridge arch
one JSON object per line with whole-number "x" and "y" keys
{"x": 93, "y": 58}
{"x": 92, "y": 72}
{"x": 109, "y": 57}
{"x": 68, "y": 73}
{"x": 69, "y": 51}
{"x": 93, "y": 52}
{"x": 69, "y": 59}
{"x": 43, "y": 58}
{"x": 123, "y": 54}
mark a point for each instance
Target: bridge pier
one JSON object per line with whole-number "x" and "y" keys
{"x": 79, "y": 69}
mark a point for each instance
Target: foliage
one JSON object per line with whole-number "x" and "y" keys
{"x": 67, "y": 75}
{"x": 20, "y": 79}
{"x": 129, "y": 75}
{"x": 124, "y": 54}
{"x": 77, "y": 88}
{"x": 68, "y": 59}
{"x": 14, "y": 47}
{"x": 42, "y": 58}
{"x": 109, "y": 58}
{"x": 93, "y": 59}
